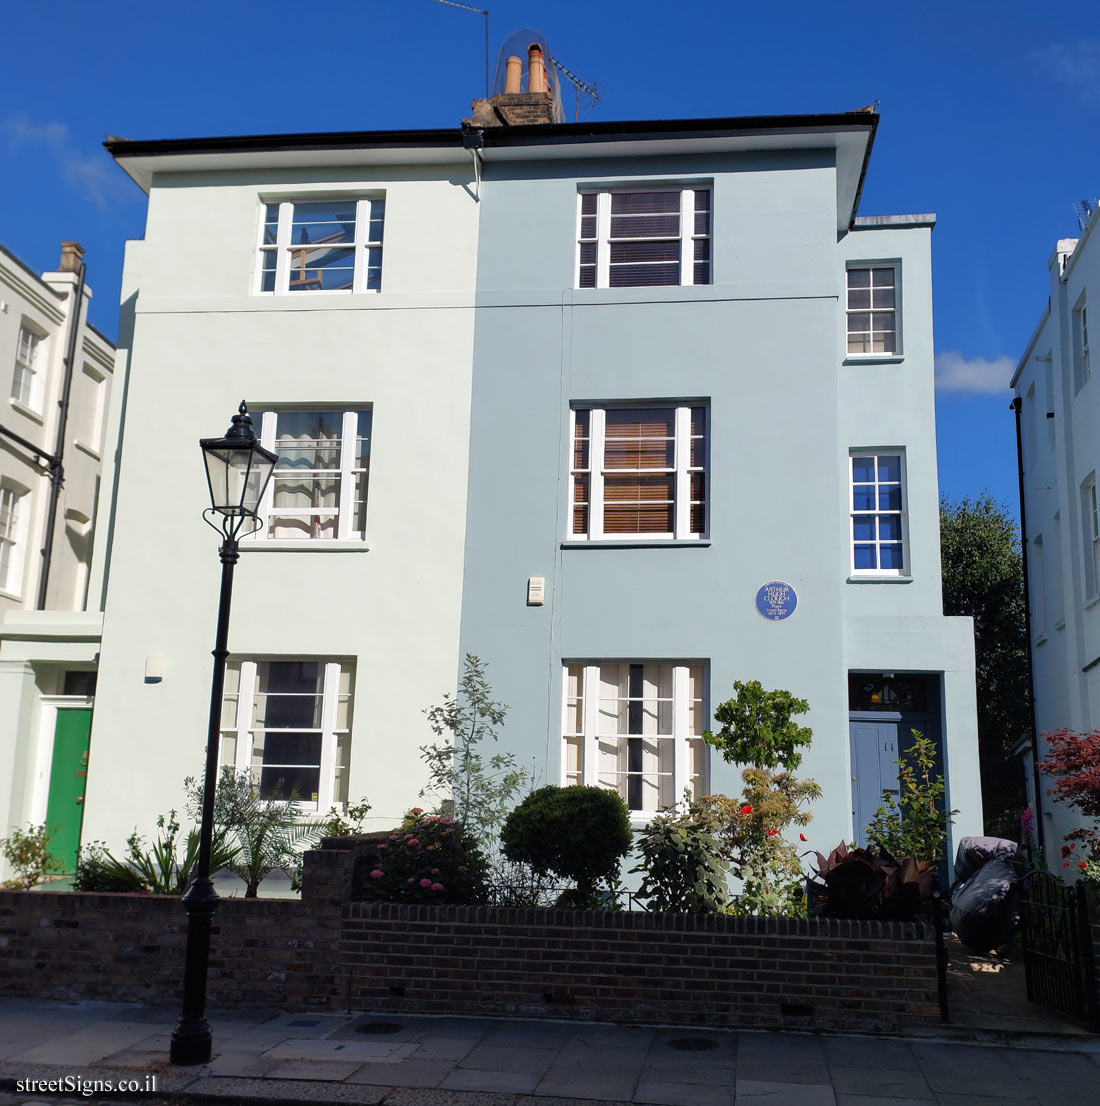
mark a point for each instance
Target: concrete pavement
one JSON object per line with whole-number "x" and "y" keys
{"x": 405, "y": 1060}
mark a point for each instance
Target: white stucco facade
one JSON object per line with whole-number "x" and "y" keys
{"x": 1059, "y": 402}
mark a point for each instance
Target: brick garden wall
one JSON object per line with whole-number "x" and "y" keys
{"x": 323, "y": 951}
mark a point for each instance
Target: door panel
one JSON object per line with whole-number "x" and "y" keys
{"x": 68, "y": 780}
{"x": 874, "y": 747}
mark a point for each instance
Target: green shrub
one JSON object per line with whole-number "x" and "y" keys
{"x": 429, "y": 858}
{"x": 28, "y": 853}
{"x": 576, "y": 833}
{"x": 681, "y": 866}
{"x": 97, "y": 870}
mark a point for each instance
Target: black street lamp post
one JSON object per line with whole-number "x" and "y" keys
{"x": 238, "y": 469}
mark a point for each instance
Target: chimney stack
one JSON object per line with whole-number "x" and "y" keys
{"x": 71, "y": 254}
{"x": 515, "y": 107}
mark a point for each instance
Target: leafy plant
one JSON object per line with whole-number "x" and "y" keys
{"x": 266, "y": 834}
{"x": 681, "y": 866}
{"x": 28, "y": 853}
{"x": 758, "y": 727}
{"x": 97, "y": 870}
{"x": 576, "y": 833}
{"x": 915, "y": 823}
{"x": 1074, "y": 760}
{"x": 342, "y": 824}
{"x": 475, "y": 788}
{"x": 758, "y": 730}
{"x": 159, "y": 869}
{"x": 862, "y": 883}
{"x": 429, "y": 858}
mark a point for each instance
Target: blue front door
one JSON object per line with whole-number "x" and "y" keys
{"x": 874, "y": 747}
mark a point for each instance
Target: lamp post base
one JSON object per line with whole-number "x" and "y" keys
{"x": 192, "y": 1043}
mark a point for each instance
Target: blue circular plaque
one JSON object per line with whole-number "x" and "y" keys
{"x": 776, "y": 600}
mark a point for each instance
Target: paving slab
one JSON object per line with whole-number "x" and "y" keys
{"x": 998, "y": 1084}
{"x": 445, "y": 1048}
{"x": 603, "y": 1085}
{"x": 328, "y": 1071}
{"x": 486, "y": 1057}
{"x": 1054, "y": 1068}
{"x": 952, "y": 1099}
{"x": 503, "y": 1082}
{"x": 689, "y": 1070}
{"x": 761, "y": 1092}
{"x": 84, "y": 1045}
{"x": 880, "y": 1081}
{"x": 409, "y": 1073}
{"x": 287, "y": 1090}
{"x": 662, "y": 1093}
{"x": 419, "y": 1097}
{"x": 576, "y": 1057}
{"x": 247, "y": 1065}
{"x": 361, "y": 1051}
{"x": 869, "y": 1052}
{"x": 878, "y": 1100}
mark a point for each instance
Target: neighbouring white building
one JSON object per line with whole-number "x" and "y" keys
{"x": 1058, "y": 399}
{"x": 56, "y": 371}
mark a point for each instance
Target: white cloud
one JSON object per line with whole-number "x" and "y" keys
{"x": 1076, "y": 65}
{"x": 977, "y": 375}
{"x": 91, "y": 174}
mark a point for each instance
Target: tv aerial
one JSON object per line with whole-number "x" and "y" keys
{"x": 578, "y": 87}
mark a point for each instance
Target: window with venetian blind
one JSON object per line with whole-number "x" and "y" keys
{"x": 639, "y": 472}
{"x": 635, "y": 238}
{"x": 635, "y": 728}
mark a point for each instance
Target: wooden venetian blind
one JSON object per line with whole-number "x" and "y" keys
{"x": 639, "y": 478}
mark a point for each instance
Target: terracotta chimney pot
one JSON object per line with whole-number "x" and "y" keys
{"x": 513, "y": 74}
{"x": 536, "y": 69}
{"x": 71, "y": 253}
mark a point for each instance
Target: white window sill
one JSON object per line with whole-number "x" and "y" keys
{"x": 637, "y": 543}
{"x": 93, "y": 453}
{"x": 305, "y": 546}
{"x": 30, "y": 412}
{"x": 873, "y": 358}
{"x": 10, "y": 595}
{"x": 880, "y": 579}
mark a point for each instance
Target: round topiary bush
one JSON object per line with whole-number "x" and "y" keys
{"x": 429, "y": 858}
{"x": 575, "y": 833}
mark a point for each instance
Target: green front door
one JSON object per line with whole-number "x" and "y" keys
{"x": 68, "y": 779}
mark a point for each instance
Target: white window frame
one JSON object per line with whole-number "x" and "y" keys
{"x": 242, "y": 728}
{"x": 14, "y": 504}
{"x": 1081, "y": 369}
{"x": 269, "y": 422}
{"x": 94, "y": 409}
{"x": 282, "y": 247}
{"x": 1038, "y": 590}
{"x": 687, "y": 236}
{"x": 1090, "y": 531}
{"x": 682, "y": 468}
{"x": 906, "y": 570}
{"x": 28, "y": 377}
{"x": 589, "y": 736}
{"x": 870, "y": 266}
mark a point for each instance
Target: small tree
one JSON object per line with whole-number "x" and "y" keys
{"x": 266, "y": 834}
{"x": 915, "y": 823}
{"x": 757, "y": 727}
{"x": 28, "y": 853}
{"x": 758, "y": 730}
{"x": 1074, "y": 760}
{"x": 577, "y": 833}
{"x": 479, "y": 788}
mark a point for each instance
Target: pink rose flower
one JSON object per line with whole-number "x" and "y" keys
{"x": 376, "y": 873}
{"x": 412, "y": 879}
{"x": 417, "y": 810}
{"x": 462, "y": 867}
{"x": 393, "y": 836}
{"x": 437, "y": 886}
{"x": 425, "y": 883}
{"x": 435, "y": 871}
{"x": 412, "y": 841}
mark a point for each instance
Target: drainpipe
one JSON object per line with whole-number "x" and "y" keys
{"x": 1040, "y": 829}
{"x": 56, "y": 466}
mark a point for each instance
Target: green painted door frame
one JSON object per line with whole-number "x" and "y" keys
{"x": 68, "y": 781}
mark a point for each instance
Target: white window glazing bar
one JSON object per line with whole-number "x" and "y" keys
{"x": 329, "y": 704}
{"x": 246, "y": 712}
{"x": 346, "y": 491}
{"x": 603, "y": 240}
{"x": 681, "y": 753}
{"x": 687, "y": 242}
{"x": 282, "y": 248}
{"x": 596, "y": 428}
{"x": 682, "y": 454}
{"x": 590, "y": 753}
{"x": 360, "y": 237}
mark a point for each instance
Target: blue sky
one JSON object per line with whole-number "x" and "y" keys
{"x": 989, "y": 118}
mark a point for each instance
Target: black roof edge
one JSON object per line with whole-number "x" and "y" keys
{"x": 548, "y": 133}
{"x": 863, "y": 171}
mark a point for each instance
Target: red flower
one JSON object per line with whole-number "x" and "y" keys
{"x": 746, "y": 809}
{"x": 772, "y": 832}
{"x": 1066, "y": 865}
{"x": 1065, "y": 851}
{"x": 1082, "y": 864}
{"x": 801, "y": 837}
{"x": 417, "y": 810}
